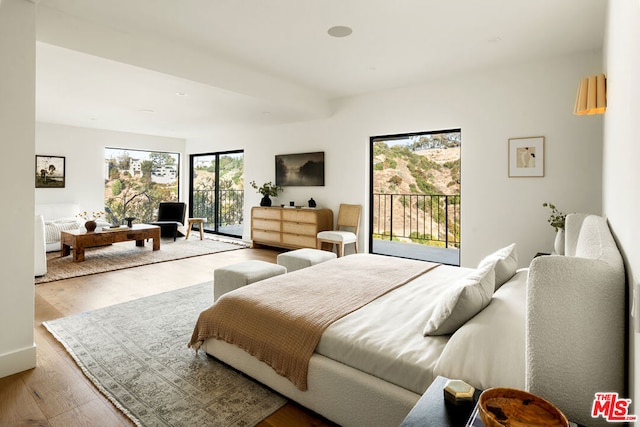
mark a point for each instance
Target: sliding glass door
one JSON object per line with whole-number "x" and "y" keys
{"x": 217, "y": 191}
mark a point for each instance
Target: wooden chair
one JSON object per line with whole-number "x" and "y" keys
{"x": 346, "y": 229}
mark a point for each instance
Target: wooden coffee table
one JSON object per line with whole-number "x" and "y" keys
{"x": 79, "y": 240}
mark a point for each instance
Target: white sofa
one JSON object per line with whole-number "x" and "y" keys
{"x": 50, "y": 220}
{"x": 39, "y": 247}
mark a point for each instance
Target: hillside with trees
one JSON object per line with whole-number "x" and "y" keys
{"x": 410, "y": 182}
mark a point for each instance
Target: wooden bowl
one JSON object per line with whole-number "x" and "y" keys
{"x": 500, "y": 407}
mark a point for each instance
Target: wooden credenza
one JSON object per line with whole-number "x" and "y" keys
{"x": 288, "y": 227}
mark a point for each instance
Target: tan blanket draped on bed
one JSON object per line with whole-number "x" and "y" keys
{"x": 280, "y": 320}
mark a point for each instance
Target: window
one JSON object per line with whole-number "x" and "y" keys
{"x": 415, "y": 196}
{"x": 137, "y": 181}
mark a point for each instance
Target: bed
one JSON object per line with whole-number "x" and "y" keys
{"x": 491, "y": 326}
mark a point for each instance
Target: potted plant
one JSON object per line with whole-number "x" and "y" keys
{"x": 556, "y": 220}
{"x": 90, "y": 219}
{"x": 267, "y": 189}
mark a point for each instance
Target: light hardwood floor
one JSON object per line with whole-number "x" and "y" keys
{"x": 56, "y": 392}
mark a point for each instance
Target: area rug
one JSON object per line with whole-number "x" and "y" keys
{"x": 126, "y": 255}
{"x": 136, "y": 354}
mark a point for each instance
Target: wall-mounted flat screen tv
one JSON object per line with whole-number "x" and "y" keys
{"x": 303, "y": 169}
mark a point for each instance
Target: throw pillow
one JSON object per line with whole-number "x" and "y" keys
{"x": 506, "y": 261}
{"x": 466, "y": 298}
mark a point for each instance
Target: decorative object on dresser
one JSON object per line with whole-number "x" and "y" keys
{"x": 312, "y": 203}
{"x": 288, "y": 228}
{"x": 346, "y": 230}
{"x": 268, "y": 189}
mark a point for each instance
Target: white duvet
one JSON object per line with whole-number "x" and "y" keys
{"x": 385, "y": 338}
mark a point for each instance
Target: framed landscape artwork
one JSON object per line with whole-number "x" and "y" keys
{"x": 303, "y": 169}
{"x": 50, "y": 171}
{"x": 526, "y": 157}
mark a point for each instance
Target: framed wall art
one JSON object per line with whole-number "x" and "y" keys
{"x": 50, "y": 171}
{"x": 526, "y": 157}
{"x": 303, "y": 169}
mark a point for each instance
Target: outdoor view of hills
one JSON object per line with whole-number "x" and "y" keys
{"x": 416, "y": 186}
{"x": 137, "y": 181}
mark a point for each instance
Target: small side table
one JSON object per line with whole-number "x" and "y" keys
{"x": 200, "y": 222}
{"x": 433, "y": 410}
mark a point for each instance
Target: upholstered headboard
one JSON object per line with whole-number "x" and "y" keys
{"x": 576, "y": 320}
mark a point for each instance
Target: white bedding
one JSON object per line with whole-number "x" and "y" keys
{"x": 385, "y": 337}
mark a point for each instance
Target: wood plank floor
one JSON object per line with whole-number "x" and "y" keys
{"x": 56, "y": 392}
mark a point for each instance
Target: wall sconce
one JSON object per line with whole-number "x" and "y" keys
{"x": 592, "y": 96}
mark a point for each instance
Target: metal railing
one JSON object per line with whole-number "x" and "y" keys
{"x": 228, "y": 213}
{"x": 430, "y": 219}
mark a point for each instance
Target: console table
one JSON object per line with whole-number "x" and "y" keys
{"x": 288, "y": 228}
{"x": 80, "y": 239}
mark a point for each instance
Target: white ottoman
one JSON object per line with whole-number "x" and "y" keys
{"x": 301, "y": 258}
{"x": 234, "y": 276}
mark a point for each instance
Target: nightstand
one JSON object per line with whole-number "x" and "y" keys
{"x": 433, "y": 410}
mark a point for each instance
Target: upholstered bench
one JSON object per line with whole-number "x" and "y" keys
{"x": 301, "y": 258}
{"x": 234, "y": 276}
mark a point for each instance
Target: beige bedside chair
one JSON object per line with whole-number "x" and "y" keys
{"x": 346, "y": 229}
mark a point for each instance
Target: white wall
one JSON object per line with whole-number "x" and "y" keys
{"x": 491, "y": 107}
{"x": 17, "y": 112}
{"x": 83, "y": 150}
{"x": 621, "y": 198}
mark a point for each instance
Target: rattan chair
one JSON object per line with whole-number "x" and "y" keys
{"x": 346, "y": 229}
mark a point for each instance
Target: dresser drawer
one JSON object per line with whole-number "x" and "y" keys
{"x": 266, "y": 236}
{"x": 266, "y": 213}
{"x": 299, "y": 241}
{"x": 265, "y": 224}
{"x": 299, "y": 215}
{"x": 299, "y": 228}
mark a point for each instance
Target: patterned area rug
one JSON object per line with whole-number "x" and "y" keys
{"x": 136, "y": 354}
{"x": 127, "y": 254}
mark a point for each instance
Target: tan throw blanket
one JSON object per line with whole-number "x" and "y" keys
{"x": 280, "y": 320}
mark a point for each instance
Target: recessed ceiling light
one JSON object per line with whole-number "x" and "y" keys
{"x": 146, "y": 110}
{"x": 495, "y": 40}
{"x": 181, "y": 94}
{"x": 339, "y": 31}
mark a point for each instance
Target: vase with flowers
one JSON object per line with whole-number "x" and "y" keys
{"x": 556, "y": 220}
{"x": 267, "y": 189}
{"x": 90, "y": 219}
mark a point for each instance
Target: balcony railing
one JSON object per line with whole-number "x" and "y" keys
{"x": 230, "y": 212}
{"x": 430, "y": 219}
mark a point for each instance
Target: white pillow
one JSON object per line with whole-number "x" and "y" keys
{"x": 466, "y": 298}
{"x": 506, "y": 261}
{"x": 489, "y": 350}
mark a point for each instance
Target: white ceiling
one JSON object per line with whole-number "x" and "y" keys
{"x": 119, "y": 64}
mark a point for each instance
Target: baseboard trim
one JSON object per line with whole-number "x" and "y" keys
{"x": 17, "y": 361}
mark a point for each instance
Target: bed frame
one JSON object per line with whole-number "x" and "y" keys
{"x": 575, "y": 332}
